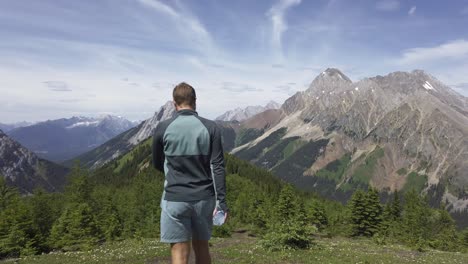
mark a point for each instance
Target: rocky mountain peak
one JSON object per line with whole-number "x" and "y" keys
{"x": 329, "y": 80}
{"x": 333, "y": 73}
{"x": 165, "y": 112}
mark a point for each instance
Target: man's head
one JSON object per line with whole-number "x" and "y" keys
{"x": 184, "y": 96}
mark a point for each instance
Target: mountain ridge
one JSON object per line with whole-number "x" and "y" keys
{"x": 64, "y": 138}
{"x": 409, "y": 118}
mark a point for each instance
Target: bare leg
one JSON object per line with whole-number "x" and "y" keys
{"x": 202, "y": 251}
{"x": 180, "y": 252}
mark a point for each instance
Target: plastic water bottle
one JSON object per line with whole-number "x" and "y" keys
{"x": 219, "y": 217}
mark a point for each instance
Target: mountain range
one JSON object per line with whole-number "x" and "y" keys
{"x": 402, "y": 131}
{"x": 395, "y": 132}
{"x": 63, "y": 139}
{"x": 23, "y": 169}
{"x": 8, "y": 127}
{"x": 241, "y": 114}
{"x": 125, "y": 141}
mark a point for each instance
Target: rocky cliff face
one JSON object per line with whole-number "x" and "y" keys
{"x": 23, "y": 169}
{"x": 395, "y": 132}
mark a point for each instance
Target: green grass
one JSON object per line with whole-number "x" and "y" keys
{"x": 364, "y": 172}
{"x": 402, "y": 171}
{"x": 335, "y": 170}
{"x": 247, "y": 135}
{"x": 129, "y": 156}
{"x": 244, "y": 249}
{"x": 292, "y": 147}
{"x": 415, "y": 181}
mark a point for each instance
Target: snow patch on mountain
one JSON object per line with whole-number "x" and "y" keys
{"x": 428, "y": 86}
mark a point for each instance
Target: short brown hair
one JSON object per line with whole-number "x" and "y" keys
{"x": 184, "y": 94}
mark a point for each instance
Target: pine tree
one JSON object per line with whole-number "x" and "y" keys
{"x": 444, "y": 232}
{"x": 416, "y": 215}
{"x": 6, "y": 193}
{"x": 290, "y": 228}
{"x": 17, "y": 234}
{"x": 356, "y": 206}
{"x": 75, "y": 229}
{"x": 43, "y": 216}
{"x": 79, "y": 188}
{"x": 395, "y": 207}
{"x": 366, "y": 213}
{"x": 317, "y": 215}
{"x": 373, "y": 210}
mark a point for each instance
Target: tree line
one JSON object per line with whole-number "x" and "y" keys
{"x": 122, "y": 201}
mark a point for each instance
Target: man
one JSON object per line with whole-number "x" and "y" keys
{"x": 185, "y": 147}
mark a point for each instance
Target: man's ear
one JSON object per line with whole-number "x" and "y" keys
{"x": 175, "y": 104}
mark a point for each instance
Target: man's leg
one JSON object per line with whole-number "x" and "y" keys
{"x": 202, "y": 251}
{"x": 180, "y": 252}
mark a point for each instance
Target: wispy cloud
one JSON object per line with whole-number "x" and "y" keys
{"x": 412, "y": 11}
{"x": 238, "y": 87}
{"x": 187, "y": 23}
{"x": 57, "y": 86}
{"x": 388, "y": 5}
{"x": 451, "y": 50}
{"x": 277, "y": 65}
{"x": 277, "y": 15}
{"x": 70, "y": 101}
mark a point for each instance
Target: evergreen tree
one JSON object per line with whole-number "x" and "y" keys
{"x": 464, "y": 237}
{"x": 366, "y": 213}
{"x": 317, "y": 215}
{"x": 373, "y": 212}
{"x": 79, "y": 188}
{"x": 6, "y": 193}
{"x": 75, "y": 229}
{"x": 290, "y": 228}
{"x": 416, "y": 215}
{"x": 395, "y": 207}
{"x": 356, "y": 206}
{"x": 444, "y": 233}
{"x": 17, "y": 234}
{"x": 45, "y": 210}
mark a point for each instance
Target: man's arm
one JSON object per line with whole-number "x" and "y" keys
{"x": 158, "y": 149}
{"x": 217, "y": 161}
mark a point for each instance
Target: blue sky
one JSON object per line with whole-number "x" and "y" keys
{"x": 91, "y": 57}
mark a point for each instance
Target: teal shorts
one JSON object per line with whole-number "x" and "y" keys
{"x": 185, "y": 221}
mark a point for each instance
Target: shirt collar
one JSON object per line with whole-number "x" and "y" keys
{"x": 187, "y": 112}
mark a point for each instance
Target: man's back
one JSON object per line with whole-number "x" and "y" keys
{"x": 185, "y": 147}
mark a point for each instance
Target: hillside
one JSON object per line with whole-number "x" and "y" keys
{"x": 396, "y": 132}
{"x": 112, "y": 216}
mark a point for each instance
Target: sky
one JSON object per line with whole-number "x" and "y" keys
{"x": 62, "y": 58}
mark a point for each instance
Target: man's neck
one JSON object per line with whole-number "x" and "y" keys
{"x": 179, "y": 108}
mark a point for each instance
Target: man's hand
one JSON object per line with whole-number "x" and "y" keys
{"x": 225, "y": 214}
